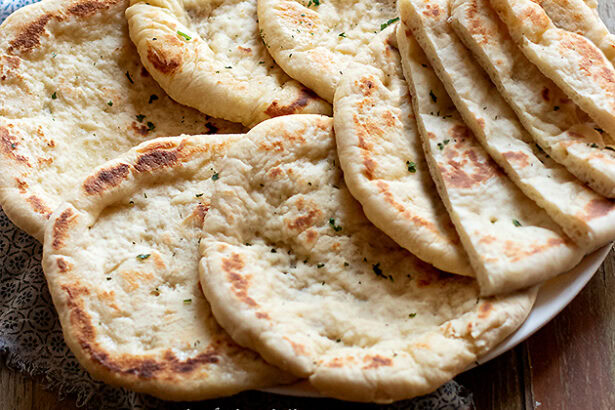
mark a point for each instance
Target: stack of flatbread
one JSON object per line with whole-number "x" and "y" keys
{"x": 242, "y": 194}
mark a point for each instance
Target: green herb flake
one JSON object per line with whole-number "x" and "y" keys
{"x": 273, "y": 250}
{"x": 184, "y": 35}
{"x": 341, "y": 35}
{"x": 143, "y": 256}
{"x": 556, "y": 108}
{"x": 152, "y": 98}
{"x": 440, "y": 146}
{"x": 412, "y": 315}
{"x": 108, "y": 277}
{"x": 215, "y": 177}
{"x": 433, "y": 96}
{"x": 187, "y": 301}
{"x": 54, "y": 95}
{"x": 346, "y": 264}
{"x": 316, "y": 3}
{"x": 13, "y": 145}
{"x": 594, "y": 145}
{"x": 150, "y": 126}
{"x": 228, "y": 67}
{"x": 378, "y": 271}
{"x": 516, "y": 223}
{"x": 388, "y": 23}
{"x": 335, "y": 227}
{"x": 198, "y": 195}
{"x": 110, "y": 103}
{"x": 320, "y": 265}
{"x": 129, "y": 77}
{"x": 411, "y": 166}
{"x": 140, "y": 117}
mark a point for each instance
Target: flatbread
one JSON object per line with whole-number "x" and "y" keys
{"x": 511, "y": 242}
{"x": 384, "y": 166}
{"x": 565, "y": 199}
{"x": 348, "y": 308}
{"x": 121, "y": 262}
{"x": 314, "y": 40}
{"x": 554, "y": 121}
{"x": 571, "y": 60}
{"x": 74, "y": 95}
{"x": 209, "y": 55}
{"x": 582, "y": 17}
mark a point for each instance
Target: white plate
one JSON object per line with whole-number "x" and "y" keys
{"x": 552, "y": 298}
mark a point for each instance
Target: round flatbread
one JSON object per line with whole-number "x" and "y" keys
{"x": 209, "y": 55}
{"x": 314, "y": 40}
{"x": 122, "y": 266}
{"x": 293, "y": 269}
{"x": 74, "y": 95}
{"x": 384, "y": 165}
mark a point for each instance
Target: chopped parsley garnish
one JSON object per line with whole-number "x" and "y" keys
{"x": 184, "y": 35}
{"x": 273, "y": 250}
{"x": 143, "y": 256}
{"x": 442, "y": 144}
{"x": 433, "y": 96}
{"x": 341, "y": 35}
{"x": 314, "y": 2}
{"x": 346, "y": 264}
{"x": 54, "y": 96}
{"x": 152, "y": 98}
{"x": 338, "y": 340}
{"x": 556, "y": 108}
{"x": 215, "y": 177}
{"x": 13, "y": 145}
{"x": 516, "y": 223}
{"x": 150, "y": 126}
{"x": 198, "y": 195}
{"x": 129, "y": 77}
{"x": 411, "y": 167}
{"x": 335, "y": 227}
{"x": 594, "y": 145}
{"x": 228, "y": 67}
{"x": 388, "y": 23}
{"x": 320, "y": 265}
{"x": 187, "y": 301}
{"x": 110, "y": 103}
{"x": 378, "y": 271}
{"x": 140, "y": 117}
{"x": 108, "y": 277}
{"x": 411, "y": 315}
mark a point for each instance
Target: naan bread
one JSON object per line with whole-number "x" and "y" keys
{"x": 293, "y": 269}
{"x": 384, "y": 166}
{"x": 565, "y": 199}
{"x": 121, "y": 262}
{"x": 314, "y": 40}
{"x": 582, "y": 17}
{"x": 571, "y": 60}
{"x": 209, "y": 55}
{"x": 511, "y": 242}
{"x": 553, "y": 120}
{"x": 74, "y": 95}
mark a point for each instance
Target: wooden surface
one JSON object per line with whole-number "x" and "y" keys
{"x": 569, "y": 364}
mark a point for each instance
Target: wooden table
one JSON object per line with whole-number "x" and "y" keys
{"x": 569, "y": 364}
